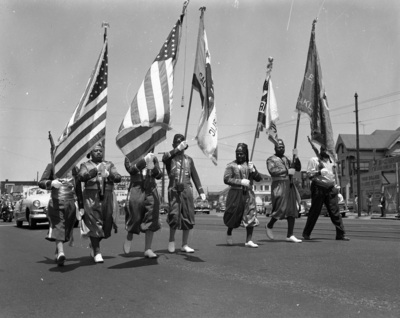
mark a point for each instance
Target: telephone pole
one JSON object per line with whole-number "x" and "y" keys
{"x": 358, "y": 160}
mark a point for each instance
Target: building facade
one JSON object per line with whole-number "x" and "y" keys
{"x": 378, "y": 155}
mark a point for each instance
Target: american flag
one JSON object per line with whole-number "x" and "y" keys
{"x": 87, "y": 126}
{"x": 149, "y": 116}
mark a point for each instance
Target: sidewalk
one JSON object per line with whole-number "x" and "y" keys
{"x": 352, "y": 215}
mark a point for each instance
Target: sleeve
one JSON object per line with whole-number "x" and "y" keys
{"x": 274, "y": 168}
{"x": 229, "y": 176}
{"x": 255, "y": 175}
{"x": 114, "y": 175}
{"x": 312, "y": 167}
{"x": 156, "y": 172}
{"x": 47, "y": 177}
{"x": 195, "y": 177}
{"x": 86, "y": 174}
{"x": 297, "y": 164}
{"x": 136, "y": 168}
{"x": 78, "y": 188}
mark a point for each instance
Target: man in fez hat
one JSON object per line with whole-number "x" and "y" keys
{"x": 181, "y": 172}
{"x": 98, "y": 217}
{"x": 284, "y": 195}
{"x": 241, "y": 202}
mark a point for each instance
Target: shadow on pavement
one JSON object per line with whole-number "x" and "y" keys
{"x": 188, "y": 257}
{"x": 137, "y": 262}
{"x": 67, "y": 267}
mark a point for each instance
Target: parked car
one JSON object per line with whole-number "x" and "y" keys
{"x": 33, "y": 208}
{"x": 306, "y": 205}
{"x": 201, "y": 206}
{"x": 164, "y": 208}
{"x": 206, "y": 207}
{"x": 221, "y": 206}
{"x": 342, "y": 209}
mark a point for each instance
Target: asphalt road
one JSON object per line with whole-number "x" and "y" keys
{"x": 318, "y": 278}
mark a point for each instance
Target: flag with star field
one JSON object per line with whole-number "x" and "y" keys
{"x": 148, "y": 118}
{"x": 87, "y": 126}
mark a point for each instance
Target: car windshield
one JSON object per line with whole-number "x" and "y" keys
{"x": 39, "y": 191}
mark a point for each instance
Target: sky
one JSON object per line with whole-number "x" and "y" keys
{"x": 50, "y": 47}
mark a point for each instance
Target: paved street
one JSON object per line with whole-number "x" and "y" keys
{"x": 319, "y": 278}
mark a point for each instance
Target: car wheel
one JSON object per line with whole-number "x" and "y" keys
{"x": 19, "y": 223}
{"x": 32, "y": 224}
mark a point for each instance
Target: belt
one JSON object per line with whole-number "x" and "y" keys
{"x": 96, "y": 187}
{"x": 141, "y": 183}
{"x": 280, "y": 178}
{"x": 236, "y": 187}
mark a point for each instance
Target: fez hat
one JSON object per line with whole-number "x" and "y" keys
{"x": 279, "y": 142}
{"x": 178, "y": 138}
{"x": 243, "y": 148}
{"x": 99, "y": 144}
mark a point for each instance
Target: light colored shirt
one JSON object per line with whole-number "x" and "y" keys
{"x": 312, "y": 168}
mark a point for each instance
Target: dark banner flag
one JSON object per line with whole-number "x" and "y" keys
{"x": 313, "y": 100}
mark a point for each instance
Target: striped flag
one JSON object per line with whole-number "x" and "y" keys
{"x": 268, "y": 111}
{"x": 149, "y": 117}
{"x": 207, "y": 132}
{"x": 87, "y": 126}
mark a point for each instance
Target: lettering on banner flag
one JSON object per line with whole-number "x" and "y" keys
{"x": 268, "y": 110}
{"x": 207, "y": 132}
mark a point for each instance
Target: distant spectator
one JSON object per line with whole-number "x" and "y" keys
{"x": 369, "y": 204}
{"x": 382, "y": 203}
{"x": 356, "y": 203}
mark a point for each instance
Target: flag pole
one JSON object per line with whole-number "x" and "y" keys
{"x": 202, "y": 9}
{"x": 105, "y": 25}
{"x": 262, "y": 106}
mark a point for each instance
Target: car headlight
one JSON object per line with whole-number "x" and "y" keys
{"x": 36, "y": 203}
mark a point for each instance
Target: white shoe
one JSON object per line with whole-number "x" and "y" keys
{"x": 293, "y": 239}
{"x": 171, "y": 247}
{"x": 187, "y": 249}
{"x": 98, "y": 258}
{"x": 229, "y": 240}
{"x": 127, "y": 246}
{"x": 150, "y": 254}
{"x": 250, "y": 244}
{"x": 270, "y": 234}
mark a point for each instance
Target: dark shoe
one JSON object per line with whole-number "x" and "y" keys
{"x": 60, "y": 259}
{"x": 306, "y": 237}
{"x": 343, "y": 238}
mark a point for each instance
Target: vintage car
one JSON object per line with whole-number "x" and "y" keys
{"x": 33, "y": 208}
{"x": 201, "y": 206}
{"x": 164, "y": 208}
{"x": 221, "y": 206}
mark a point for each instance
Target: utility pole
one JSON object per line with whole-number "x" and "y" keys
{"x": 162, "y": 180}
{"x": 358, "y": 160}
